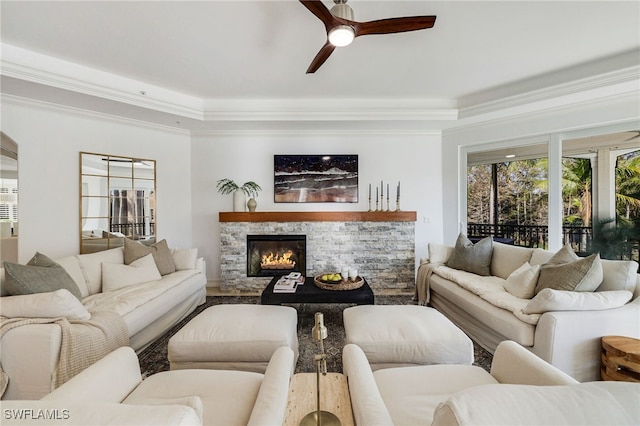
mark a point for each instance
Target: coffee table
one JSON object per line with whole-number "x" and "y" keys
{"x": 310, "y": 293}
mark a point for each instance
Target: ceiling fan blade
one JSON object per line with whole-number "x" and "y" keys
{"x": 320, "y": 10}
{"x": 321, "y": 57}
{"x": 393, "y": 25}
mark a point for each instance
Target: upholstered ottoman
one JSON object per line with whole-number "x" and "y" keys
{"x": 402, "y": 335}
{"x": 234, "y": 337}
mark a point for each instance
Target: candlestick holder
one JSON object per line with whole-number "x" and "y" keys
{"x": 388, "y": 204}
{"x": 377, "y": 205}
{"x": 381, "y": 203}
{"x": 320, "y": 417}
{"x": 398, "y": 204}
{"x": 369, "y": 204}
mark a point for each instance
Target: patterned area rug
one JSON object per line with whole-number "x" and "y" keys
{"x": 153, "y": 359}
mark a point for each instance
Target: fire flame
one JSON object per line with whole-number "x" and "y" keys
{"x": 275, "y": 261}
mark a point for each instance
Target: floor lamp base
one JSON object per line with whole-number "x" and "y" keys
{"x": 326, "y": 419}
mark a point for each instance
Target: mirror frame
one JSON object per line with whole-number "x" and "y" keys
{"x": 110, "y": 184}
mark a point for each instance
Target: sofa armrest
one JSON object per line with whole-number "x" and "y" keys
{"x": 513, "y": 364}
{"x": 571, "y": 340}
{"x": 201, "y": 265}
{"x": 367, "y": 403}
{"x": 110, "y": 379}
{"x": 271, "y": 404}
{"x": 29, "y": 355}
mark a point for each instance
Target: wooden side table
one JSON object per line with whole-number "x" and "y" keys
{"x": 620, "y": 359}
{"x": 334, "y": 397}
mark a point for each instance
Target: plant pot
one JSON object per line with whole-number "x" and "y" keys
{"x": 239, "y": 201}
{"x": 252, "y": 204}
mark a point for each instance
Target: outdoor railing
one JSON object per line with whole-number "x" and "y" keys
{"x": 533, "y": 235}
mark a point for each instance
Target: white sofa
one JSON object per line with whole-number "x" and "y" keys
{"x": 29, "y": 354}
{"x": 112, "y": 392}
{"x": 566, "y": 328}
{"x": 521, "y": 389}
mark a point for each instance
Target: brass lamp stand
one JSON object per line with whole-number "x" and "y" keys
{"x": 318, "y": 417}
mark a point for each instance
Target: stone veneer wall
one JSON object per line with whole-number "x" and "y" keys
{"x": 383, "y": 252}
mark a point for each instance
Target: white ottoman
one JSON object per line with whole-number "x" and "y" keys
{"x": 402, "y": 335}
{"x": 234, "y": 337}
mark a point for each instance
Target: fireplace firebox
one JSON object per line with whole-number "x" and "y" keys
{"x": 273, "y": 255}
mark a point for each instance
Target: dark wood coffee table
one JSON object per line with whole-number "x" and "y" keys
{"x": 310, "y": 293}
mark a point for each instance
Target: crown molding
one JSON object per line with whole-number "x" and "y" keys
{"x": 36, "y": 68}
{"x": 627, "y": 78}
{"x": 65, "y": 109}
{"x": 314, "y": 132}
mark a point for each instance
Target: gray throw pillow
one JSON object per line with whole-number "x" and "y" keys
{"x": 134, "y": 250}
{"x": 474, "y": 258}
{"x": 39, "y": 275}
{"x": 584, "y": 274}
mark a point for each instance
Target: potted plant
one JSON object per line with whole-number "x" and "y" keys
{"x": 249, "y": 189}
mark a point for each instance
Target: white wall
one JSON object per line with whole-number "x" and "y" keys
{"x": 414, "y": 160}
{"x": 49, "y": 141}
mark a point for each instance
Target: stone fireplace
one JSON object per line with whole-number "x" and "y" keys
{"x": 274, "y": 255}
{"x": 380, "y": 244}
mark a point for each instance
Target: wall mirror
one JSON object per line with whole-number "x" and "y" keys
{"x": 117, "y": 201}
{"x": 9, "y": 199}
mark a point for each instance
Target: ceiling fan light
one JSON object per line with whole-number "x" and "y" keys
{"x": 341, "y": 36}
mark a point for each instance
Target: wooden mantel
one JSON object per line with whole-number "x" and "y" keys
{"x": 352, "y": 216}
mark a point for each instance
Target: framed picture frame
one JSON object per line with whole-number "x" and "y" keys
{"x": 315, "y": 178}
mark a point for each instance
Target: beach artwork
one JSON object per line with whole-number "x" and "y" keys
{"x": 316, "y": 178}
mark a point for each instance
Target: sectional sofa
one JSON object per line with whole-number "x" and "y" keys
{"x": 504, "y": 298}
{"x": 151, "y": 294}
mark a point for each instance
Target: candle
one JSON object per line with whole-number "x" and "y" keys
{"x": 376, "y": 194}
{"x": 398, "y": 189}
{"x": 388, "y": 191}
{"x": 381, "y": 189}
{"x": 369, "y": 191}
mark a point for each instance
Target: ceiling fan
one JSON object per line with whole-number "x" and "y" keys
{"x": 342, "y": 29}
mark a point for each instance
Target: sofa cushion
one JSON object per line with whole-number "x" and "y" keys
{"x": 439, "y": 253}
{"x": 91, "y": 265}
{"x": 522, "y": 282}
{"x": 507, "y": 258}
{"x": 585, "y": 403}
{"x": 192, "y": 401}
{"x": 39, "y": 275}
{"x": 133, "y": 250}
{"x": 185, "y": 258}
{"x": 618, "y": 275}
{"x": 72, "y": 266}
{"x": 557, "y": 300}
{"x": 584, "y": 274}
{"x": 475, "y": 258}
{"x": 55, "y": 304}
{"x": 116, "y": 276}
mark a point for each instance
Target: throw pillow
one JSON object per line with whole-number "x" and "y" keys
{"x": 116, "y": 276}
{"x": 133, "y": 250}
{"x": 55, "y": 304}
{"x": 474, "y": 258}
{"x": 39, "y": 275}
{"x": 584, "y": 274}
{"x": 522, "y": 282}
{"x": 558, "y": 300}
{"x": 439, "y": 253}
{"x": 564, "y": 255}
{"x": 185, "y": 259}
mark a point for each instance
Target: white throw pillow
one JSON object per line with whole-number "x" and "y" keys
{"x": 116, "y": 276}
{"x": 561, "y": 300}
{"x": 522, "y": 282}
{"x": 185, "y": 259}
{"x": 439, "y": 253}
{"x": 55, "y": 304}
